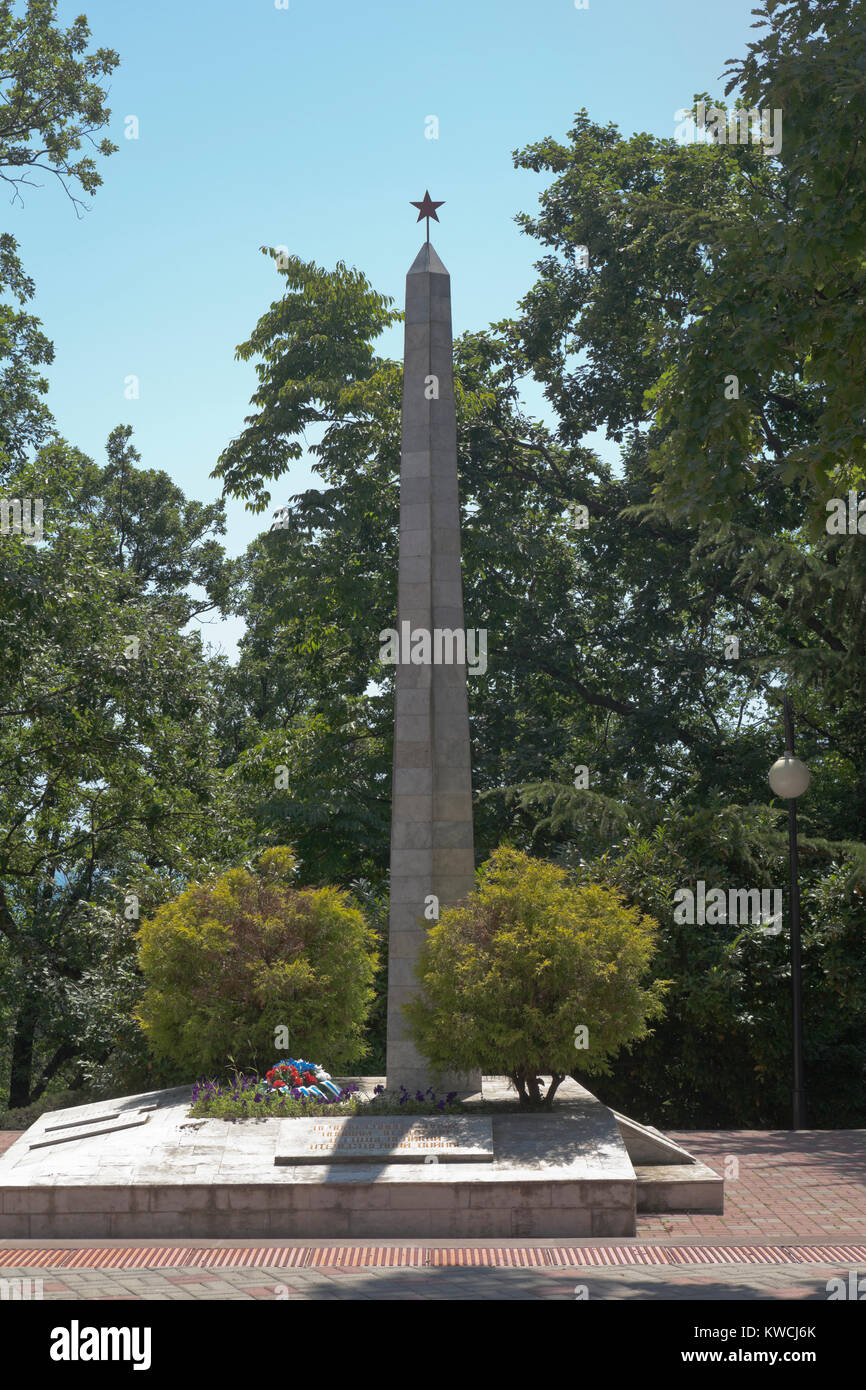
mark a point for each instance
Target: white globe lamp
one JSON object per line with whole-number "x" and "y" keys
{"x": 789, "y": 778}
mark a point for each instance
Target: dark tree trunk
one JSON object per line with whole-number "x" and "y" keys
{"x": 21, "y": 1072}
{"x": 555, "y": 1082}
{"x": 65, "y": 1053}
{"x": 532, "y": 1087}
{"x": 518, "y": 1079}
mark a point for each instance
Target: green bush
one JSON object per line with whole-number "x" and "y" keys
{"x": 510, "y": 974}
{"x": 230, "y": 962}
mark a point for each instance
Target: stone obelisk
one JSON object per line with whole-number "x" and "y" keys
{"x": 432, "y": 854}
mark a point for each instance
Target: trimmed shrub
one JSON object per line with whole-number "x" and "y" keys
{"x": 510, "y": 975}
{"x": 228, "y": 963}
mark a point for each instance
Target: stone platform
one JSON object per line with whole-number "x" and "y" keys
{"x": 138, "y": 1167}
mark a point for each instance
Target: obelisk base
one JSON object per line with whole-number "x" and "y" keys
{"x": 421, "y": 1077}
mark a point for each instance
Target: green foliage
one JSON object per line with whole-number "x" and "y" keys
{"x": 713, "y": 261}
{"x": 613, "y": 675}
{"x": 230, "y": 961}
{"x": 51, "y": 104}
{"x": 607, "y": 643}
{"x": 25, "y": 420}
{"x": 109, "y": 783}
{"x": 313, "y": 346}
{"x": 508, "y": 975}
{"x": 721, "y": 1056}
{"x": 374, "y": 904}
{"x": 50, "y": 98}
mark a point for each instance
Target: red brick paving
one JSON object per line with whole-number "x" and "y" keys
{"x": 807, "y": 1187}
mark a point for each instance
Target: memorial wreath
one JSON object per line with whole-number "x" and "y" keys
{"x": 296, "y": 1077}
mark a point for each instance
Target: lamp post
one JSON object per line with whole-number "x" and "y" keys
{"x": 789, "y": 778}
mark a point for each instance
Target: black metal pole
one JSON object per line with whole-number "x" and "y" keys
{"x": 798, "y": 1094}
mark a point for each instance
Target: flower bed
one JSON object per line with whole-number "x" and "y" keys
{"x": 307, "y": 1091}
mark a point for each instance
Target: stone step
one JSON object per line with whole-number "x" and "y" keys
{"x": 679, "y": 1187}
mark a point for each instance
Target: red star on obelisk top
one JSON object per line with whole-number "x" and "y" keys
{"x": 428, "y": 209}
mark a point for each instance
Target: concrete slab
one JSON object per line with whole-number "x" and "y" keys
{"x": 679, "y": 1187}
{"x": 646, "y": 1145}
{"x": 562, "y": 1174}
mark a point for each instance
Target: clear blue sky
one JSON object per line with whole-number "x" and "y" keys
{"x": 305, "y": 127}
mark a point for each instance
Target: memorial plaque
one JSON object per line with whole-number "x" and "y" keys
{"x": 387, "y": 1138}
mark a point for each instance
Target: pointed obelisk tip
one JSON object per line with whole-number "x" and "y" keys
{"x": 427, "y": 261}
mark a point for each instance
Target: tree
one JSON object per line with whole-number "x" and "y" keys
{"x": 109, "y": 786}
{"x": 315, "y": 350}
{"x": 647, "y": 642}
{"x": 782, "y": 294}
{"x": 530, "y": 975}
{"x": 718, "y": 332}
{"x": 51, "y": 100}
{"x": 51, "y": 106}
{"x": 232, "y": 961}
{"x": 721, "y": 1055}
{"x": 613, "y": 675}
{"x": 25, "y": 420}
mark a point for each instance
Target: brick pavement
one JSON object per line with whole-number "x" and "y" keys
{"x": 740, "y": 1283}
{"x": 808, "y": 1187}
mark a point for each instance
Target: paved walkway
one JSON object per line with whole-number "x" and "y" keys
{"x": 780, "y": 1187}
{"x": 734, "y": 1283}
{"x": 783, "y": 1191}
